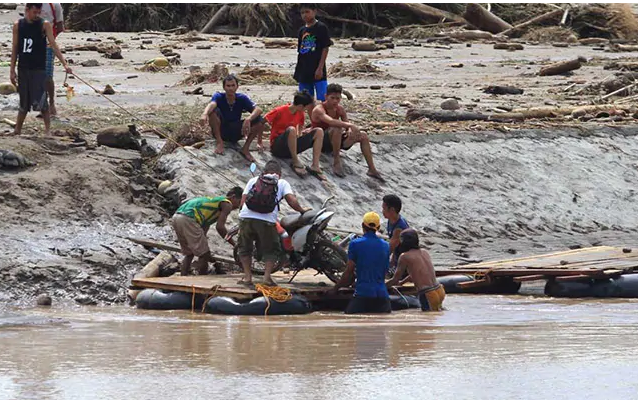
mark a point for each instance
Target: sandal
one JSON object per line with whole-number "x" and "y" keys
{"x": 317, "y": 174}
{"x": 299, "y": 170}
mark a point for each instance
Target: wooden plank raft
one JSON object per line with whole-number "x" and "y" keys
{"x": 307, "y": 283}
{"x": 599, "y": 262}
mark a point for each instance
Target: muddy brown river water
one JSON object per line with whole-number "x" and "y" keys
{"x": 481, "y": 347}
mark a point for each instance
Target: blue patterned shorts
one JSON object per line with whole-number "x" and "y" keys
{"x": 50, "y": 61}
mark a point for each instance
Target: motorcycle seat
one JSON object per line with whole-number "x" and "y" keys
{"x": 293, "y": 222}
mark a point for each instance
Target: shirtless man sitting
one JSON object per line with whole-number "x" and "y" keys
{"x": 339, "y": 133}
{"x": 420, "y": 271}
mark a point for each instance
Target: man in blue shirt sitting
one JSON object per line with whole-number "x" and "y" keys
{"x": 223, "y": 115}
{"x": 368, "y": 259}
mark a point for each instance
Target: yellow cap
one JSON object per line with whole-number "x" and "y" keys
{"x": 372, "y": 220}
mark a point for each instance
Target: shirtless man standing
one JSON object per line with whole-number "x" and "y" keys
{"x": 339, "y": 133}
{"x": 420, "y": 271}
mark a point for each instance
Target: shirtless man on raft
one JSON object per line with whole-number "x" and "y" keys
{"x": 418, "y": 263}
{"x": 339, "y": 133}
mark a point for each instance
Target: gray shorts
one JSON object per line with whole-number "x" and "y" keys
{"x": 32, "y": 90}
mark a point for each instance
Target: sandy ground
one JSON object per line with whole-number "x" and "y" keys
{"x": 479, "y": 190}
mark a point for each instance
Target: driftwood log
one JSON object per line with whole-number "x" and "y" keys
{"x": 219, "y": 17}
{"x": 562, "y": 67}
{"x": 444, "y": 115}
{"x": 508, "y": 46}
{"x": 425, "y": 12}
{"x": 151, "y": 270}
{"x": 484, "y": 20}
{"x": 468, "y": 35}
{"x": 366, "y": 45}
{"x": 549, "y": 15}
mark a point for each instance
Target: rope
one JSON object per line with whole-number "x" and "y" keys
{"x": 401, "y": 294}
{"x": 156, "y": 130}
{"x": 215, "y": 287}
{"x": 193, "y": 299}
{"x": 276, "y": 293}
{"x": 478, "y": 275}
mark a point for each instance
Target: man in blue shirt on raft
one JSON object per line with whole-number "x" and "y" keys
{"x": 368, "y": 259}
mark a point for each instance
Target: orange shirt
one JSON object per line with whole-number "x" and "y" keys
{"x": 281, "y": 119}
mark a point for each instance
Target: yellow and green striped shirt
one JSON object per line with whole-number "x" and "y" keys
{"x": 204, "y": 210}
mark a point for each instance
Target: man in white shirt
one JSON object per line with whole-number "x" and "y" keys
{"x": 258, "y": 215}
{"x": 53, "y": 13}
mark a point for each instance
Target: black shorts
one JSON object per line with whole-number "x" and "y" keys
{"x": 32, "y": 90}
{"x": 369, "y": 305}
{"x": 231, "y": 131}
{"x": 327, "y": 143}
{"x": 280, "y": 147}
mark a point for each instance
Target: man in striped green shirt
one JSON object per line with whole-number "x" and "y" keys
{"x": 192, "y": 221}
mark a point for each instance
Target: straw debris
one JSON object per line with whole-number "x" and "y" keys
{"x": 362, "y": 68}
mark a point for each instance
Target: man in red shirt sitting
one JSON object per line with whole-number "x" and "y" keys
{"x": 288, "y": 137}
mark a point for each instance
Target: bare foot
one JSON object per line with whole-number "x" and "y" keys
{"x": 338, "y": 170}
{"x": 376, "y": 175}
{"x": 269, "y": 282}
{"x": 219, "y": 149}
{"x": 245, "y": 282}
{"x": 246, "y": 154}
{"x": 52, "y": 110}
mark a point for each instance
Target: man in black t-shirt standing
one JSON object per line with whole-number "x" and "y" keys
{"x": 29, "y": 51}
{"x": 312, "y": 50}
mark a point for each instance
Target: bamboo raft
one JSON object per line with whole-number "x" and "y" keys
{"x": 307, "y": 283}
{"x": 600, "y": 262}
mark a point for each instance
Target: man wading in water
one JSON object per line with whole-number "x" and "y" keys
{"x": 368, "y": 259}
{"x": 420, "y": 270}
{"x": 29, "y": 50}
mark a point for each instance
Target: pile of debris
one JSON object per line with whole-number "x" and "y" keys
{"x": 362, "y": 68}
{"x": 197, "y": 77}
{"x": 264, "y": 76}
{"x": 188, "y": 135}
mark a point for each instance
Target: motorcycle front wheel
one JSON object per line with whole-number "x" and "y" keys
{"x": 329, "y": 259}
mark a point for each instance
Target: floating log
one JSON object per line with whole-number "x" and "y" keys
{"x": 444, "y": 115}
{"x": 151, "y": 270}
{"x": 562, "y": 67}
{"x": 549, "y": 15}
{"x": 484, "y": 20}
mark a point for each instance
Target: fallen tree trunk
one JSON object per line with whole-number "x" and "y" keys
{"x": 366, "y": 45}
{"x": 425, "y": 12}
{"x": 552, "y": 14}
{"x": 170, "y": 247}
{"x": 444, "y": 116}
{"x": 219, "y": 16}
{"x": 467, "y": 35}
{"x": 151, "y": 270}
{"x": 353, "y": 21}
{"x": 484, "y": 20}
{"x": 562, "y": 67}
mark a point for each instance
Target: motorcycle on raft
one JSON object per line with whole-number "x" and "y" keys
{"x": 305, "y": 245}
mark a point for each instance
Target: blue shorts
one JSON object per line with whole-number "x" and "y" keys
{"x": 321, "y": 87}
{"x": 50, "y": 61}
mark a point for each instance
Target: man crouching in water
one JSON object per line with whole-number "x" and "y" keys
{"x": 418, "y": 263}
